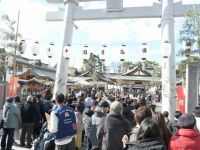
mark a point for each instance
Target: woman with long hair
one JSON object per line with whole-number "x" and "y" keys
{"x": 148, "y": 137}
{"x": 159, "y": 119}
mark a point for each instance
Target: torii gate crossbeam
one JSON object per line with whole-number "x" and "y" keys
{"x": 167, "y": 10}
{"x": 154, "y": 11}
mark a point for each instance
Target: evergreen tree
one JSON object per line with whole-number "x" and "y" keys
{"x": 190, "y": 32}
{"x": 94, "y": 63}
{"x": 7, "y": 41}
{"x": 181, "y": 70}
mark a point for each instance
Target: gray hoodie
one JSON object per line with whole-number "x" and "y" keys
{"x": 11, "y": 116}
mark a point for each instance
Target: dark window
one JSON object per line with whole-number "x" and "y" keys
{"x": 138, "y": 82}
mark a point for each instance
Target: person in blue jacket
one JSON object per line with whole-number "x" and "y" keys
{"x": 63, "y": 124}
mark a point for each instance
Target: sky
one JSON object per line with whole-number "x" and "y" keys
{"x": 132, "y": 32}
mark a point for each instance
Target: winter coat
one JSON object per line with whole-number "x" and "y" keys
{"x": 128, "y": 114}
{"x": 79, "y": 122}
{"x": 96, "y": 120}
{"x": 169, "y": 125}
{"x": 48, "y": 105}
{"x": 42, "y": 111}
{"x": 11, "y": 116}
{"x": 38, "y": 117}
{"x": 97, "y": 116}
{"x": 28, "y": 112}
{"x": 134, "y": 132}
{"x": 175, "y": 127}
{"x": 87, "y": 120}
{"x": 112, "y": 129}
{"x": 147, "y": 144}
{"x": 185, "y": 139}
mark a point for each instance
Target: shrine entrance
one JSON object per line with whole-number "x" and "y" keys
{"x": 166, "y": 9}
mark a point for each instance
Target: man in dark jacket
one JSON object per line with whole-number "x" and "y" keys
{"x": 38, "y": 118}
{"x": 113, "y": 127}
{"x": 28, "y": 113}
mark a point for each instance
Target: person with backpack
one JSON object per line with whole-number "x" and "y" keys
{"x": 63, "y": 123}
{"x": 11, "y": 120}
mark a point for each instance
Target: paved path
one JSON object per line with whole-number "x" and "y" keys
{"x": 19, "y": 148}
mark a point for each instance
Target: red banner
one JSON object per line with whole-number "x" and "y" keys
{"x": 180, "y": 99}
{"x": 13, "y": 85}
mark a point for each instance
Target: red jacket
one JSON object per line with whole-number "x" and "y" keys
{"x": 185, "y": 139}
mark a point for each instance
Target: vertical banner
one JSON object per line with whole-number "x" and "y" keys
{"x": 180, "y": 99}
{"x": 13, "y": 85}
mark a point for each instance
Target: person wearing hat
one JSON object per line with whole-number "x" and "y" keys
{"x": 187, "y": 136}
{"x": 99, "y": 113}
{"x": 113, "y": 127}
{"x": 87, "y": 120}
{"x": 105, "y": 106}
{"x": 12, "y": 119}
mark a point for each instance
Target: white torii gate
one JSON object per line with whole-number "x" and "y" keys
{"x": 167, "y": 10}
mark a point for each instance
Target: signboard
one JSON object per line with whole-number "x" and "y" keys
{"x": 13, "y": 85}
{"x": 180, "y": 99}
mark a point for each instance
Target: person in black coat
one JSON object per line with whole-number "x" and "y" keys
{"x": 148, "y": 137}
{"x": 38, "y": 118}
{"x": 112, "y": 128}
{"x": 128, "y": 114}
{"x": 28, "y": 113}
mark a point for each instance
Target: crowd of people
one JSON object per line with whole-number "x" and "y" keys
{"x": 96, "y": 120}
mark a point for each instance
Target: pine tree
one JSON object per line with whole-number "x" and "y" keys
{"x": 190, "y": 32}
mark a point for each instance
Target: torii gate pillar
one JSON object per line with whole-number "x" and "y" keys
{"x": 168, "y": 10}
{"x": 168, "y": 64}
{"x": 63, "y": 63}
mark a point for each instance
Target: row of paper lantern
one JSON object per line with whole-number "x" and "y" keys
{"x": 143, "y": 51}
{"x": 35, "y": 51}
{"x": 85, "y": 52}
{"x": 166, "y": 50}
{"x": 35, "y": 48}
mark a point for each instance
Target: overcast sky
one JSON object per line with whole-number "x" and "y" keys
{"x": 132, "y": 32}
